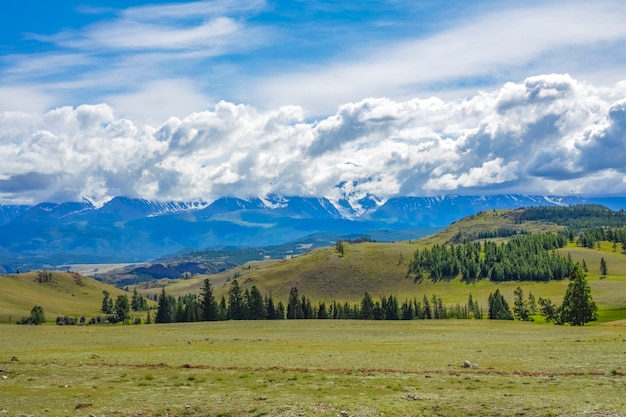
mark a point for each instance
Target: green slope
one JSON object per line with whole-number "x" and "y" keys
{"x": 380, "y": 269}
{"x": 326, "y": 275}
{"x": 64, "y": 295}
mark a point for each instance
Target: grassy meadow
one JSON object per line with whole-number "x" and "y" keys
{"x": 314, "y": 368}
{"x": 319, "y": 367}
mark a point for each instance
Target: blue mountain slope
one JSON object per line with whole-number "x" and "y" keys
{"x": 10, "y": 212}
{"x": 131, "y": 230}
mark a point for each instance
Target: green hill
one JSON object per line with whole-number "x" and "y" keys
{"x": 380, "y": 269}
{"x": 326, "y": 275}
{"x": 60, "y": 294}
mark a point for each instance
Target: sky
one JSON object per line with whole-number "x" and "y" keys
{"x": 194, "y": 100}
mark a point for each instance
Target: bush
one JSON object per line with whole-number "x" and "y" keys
{"x": 66, "y": 321}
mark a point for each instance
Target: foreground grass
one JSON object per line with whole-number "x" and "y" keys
{"x": 314, "y": 368}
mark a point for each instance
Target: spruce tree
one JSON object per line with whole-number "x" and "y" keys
{"x": 520, "y": 307}
{"x": 235, "y": 302}
{"x": 122, "y": 308}
{"x": 498, "y": 307}
{"x": 578, "y": 306}
{"x": 603, "y": 268}
{"x": 294, "y": 308}
{"x": 208, "y": 304}
{"x": 367, "y": 307}
{"x": 256, "y": 306}
{"x": 270, "y": 308}
{"x": 107, "y": 303}
{"x": 164, "y": 311}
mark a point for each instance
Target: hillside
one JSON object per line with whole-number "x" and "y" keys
{"x": 65, "y": 294}
{"x": 380, "y": 269}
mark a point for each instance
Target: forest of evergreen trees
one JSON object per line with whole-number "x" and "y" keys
{"x": 522, "y": 258}
{"x": 577, "y": 217}
{"x": 250, "y": 305}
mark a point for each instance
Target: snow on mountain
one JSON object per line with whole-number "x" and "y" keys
{"x": 131, "y": 230}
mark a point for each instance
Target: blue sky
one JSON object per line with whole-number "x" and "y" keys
{"x": 193, "y": 100}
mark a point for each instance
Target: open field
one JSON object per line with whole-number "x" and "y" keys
{"x": 314, "y": 368}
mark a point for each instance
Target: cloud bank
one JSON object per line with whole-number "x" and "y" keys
{"x": 547, "y": 135}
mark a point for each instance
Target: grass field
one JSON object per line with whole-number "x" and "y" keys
{"x": 314, "y": 368}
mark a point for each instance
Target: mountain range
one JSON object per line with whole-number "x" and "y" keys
{"x": 135, "y": 230}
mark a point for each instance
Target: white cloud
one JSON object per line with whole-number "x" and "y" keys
{"x": 549, "y": 134}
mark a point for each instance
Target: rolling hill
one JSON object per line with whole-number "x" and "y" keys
{"x": 63, "y": 294}
{"x": 324, "y": 275}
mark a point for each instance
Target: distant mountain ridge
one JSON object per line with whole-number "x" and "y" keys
{"x": 131, "y": 230}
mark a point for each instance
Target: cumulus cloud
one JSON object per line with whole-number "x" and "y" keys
{"x": 549, "y": 134}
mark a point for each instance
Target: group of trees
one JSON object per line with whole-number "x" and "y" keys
{"x": 577, "y": 307}
{"x": 241, "y": 305}
{"x": 37, "y": 317}
{"x": 251, "y": 305}
{"x": 120, "y": 310}
{"x": 523, "y": 258}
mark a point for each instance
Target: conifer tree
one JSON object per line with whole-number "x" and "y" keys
{"x": 122, "y": 308}
{"x": 603, "y": 268}
{"x": 532, "y": 303}
{"x": 256, "y": 306}
{"x": 164, "y": 310}
{"x": 270, "y": 308}
{"x": 107, "y": 303}
{"x": 520, "y": 306}
{"x": 208, "y": 305}
{"x": 498, "y": 307}
{"x": 578, "y": 306}
{"x": 367, "y": 307}
{"x": 235, "y": 302}
{"x": 294, "y": 308}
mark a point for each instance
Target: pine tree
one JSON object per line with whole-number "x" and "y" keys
{"x": 367, "y": 307}
{"x": 578, "y": 306}
{"x": 270, "y": 308}
{"x": 520, "y": 307}
{"x": 107, "y": 303}
{"x": 532, "y": 303}
{"x": 138, "y": 303}
{"x": 208, "y": 305}
{"x": 235, "y": 302}
{"x": 428, "y": 313}
{"x": 498, "y": 307}
{"x": 256, "y": 306}
{"x": 603, "y": 268}
{"x": 164, "y": 311}
{"x": 122, "y": 308}
{"x": 294, "y": 308}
